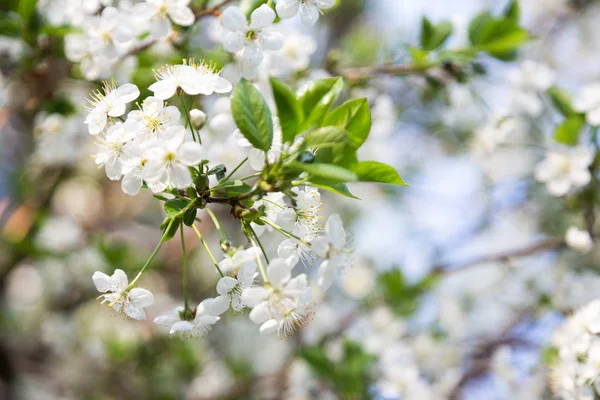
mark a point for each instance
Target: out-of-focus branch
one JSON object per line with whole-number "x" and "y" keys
{"x": 541, "y": 246}
{"x": 388, "y": 69}
{"x": 213, "y": 10}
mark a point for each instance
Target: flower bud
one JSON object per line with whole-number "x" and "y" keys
{"x": 197, "y": 117}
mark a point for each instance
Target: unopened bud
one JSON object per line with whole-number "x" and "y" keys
{"x": 197, "y": 117}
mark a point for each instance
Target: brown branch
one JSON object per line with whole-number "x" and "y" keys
{"x": 389, "y": 69}
{"x": 543, "y": 245}
{"x": 211, "y": 10}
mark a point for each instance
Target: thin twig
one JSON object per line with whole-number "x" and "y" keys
{"x": 389, "y": 69}
{"x": 543, "y": 245}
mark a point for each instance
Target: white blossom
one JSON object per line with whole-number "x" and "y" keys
{"x": 253, "y": 38}
{"x": 199, "y": 325}
{"x": 579, "y": 240}
{"x": 309, "y": 9}
{"x": 160, "y": 13}
{"x": 131, "y": 302}
{"x": 565, "y": 171}
{"x": 230, "y": 289}
{"x": 333, "y": 247}
{"x": 108, "y": 102}
{"x": 588, "y": 102}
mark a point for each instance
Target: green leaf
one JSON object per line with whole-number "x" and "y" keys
{"x": 328, "y": 172}
{"x": 10, "y": 24}
{"x": 289, "y": 110}
{"x": 328, "y": 136}
{"x": 477, "y": 25}
{"x": 174, "y": 206}
{"x": 420, "y": 57}
{"x": 317, "y": 99}
{"x": 189, "y": 216}
{"x": 339, "y": 188}
{"x": 252, "y": 115}
{"x": 568, "y": 131}
{"x": 433, "y": 36}
{"x": 513, "y": 11}
{"x": 373, "y": 171}
{"x": 26, "y": 9}
{"x": 233, "y": 188}
{"x": 169, "y": 233}
{"x": 355, "y": 117}
{"x": 159, "y": 197}
{"x": 562, "y": 101}
{"x": 498, "y": 46}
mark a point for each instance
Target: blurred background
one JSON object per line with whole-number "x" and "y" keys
{"x": 459, "y": 280}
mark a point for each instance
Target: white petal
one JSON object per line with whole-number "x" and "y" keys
{"x": 247, "y": 272}
{"x": 309, "y": 15}
{"x": 119, "y": 279}
{"x": 272, "y": 40}
{"x": 269, "y": 327}
{"x": 102, "y": 281}
{"x": 219, "y": 305}
{"x": 160, "y": 28}
{"x": 164, "y": 89}
{"x": 128, "y": 92}
{"x": 252, "y": 54}
{"x": 260, "y": 313}
{"x": 234, "y": 19}
{"x": 190, "y": 154}
{"x": 327, "y": 273}
{"x": 287, "y": 8}
{"x": 262, "y": 17}
{"x": 180, "y": 176}
{"x": 181, "y": 326}
{"x": 182, "y": 16}
{"x": 141, "y": 297}
{"x": 233, "y": 41}
{"x": 335, "y": 231}
{"x": 254, "y": 295}
{"x": 278, "y": 272}
{"x": 131, "y": 184}
{"x": 225, "y": 284}
{"x": 134, "y": 312}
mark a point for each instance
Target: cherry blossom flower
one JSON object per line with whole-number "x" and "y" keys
{"x": 565, "y": 171}
{"x": 309, "y": 9}
{"x": 201, "y": 323}
{"x": 579, "y": 240}
{"x": 131, "y": 302}
{"x": 230, "y": 289}
{"x": 588, "y": 102}
{"x": 193, "y": 78}
{"x": 108, "y": 102}
{"x": 253, "y": 38}
{"x": 112, "y": 151}
{"x": 168, "y": 161}
{"x": 153, "y": 117}
{"x": 160, "y": 13}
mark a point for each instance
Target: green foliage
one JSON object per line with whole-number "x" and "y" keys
{"x": 500, "y": 37}
{"x": 289, "y": 110}
{"x": 338, "y": 188}
{"x": 317, "y": 99}
{"x": 433, "y": 36}
{"x": 401, "y": 295}
{"x": 349, "y": 377}
{"x": 549, "y": 355}
{"x": 373, "y": 171}
{"x": 327, "y": 172}
{"x": 568, "y": 131}
{"x": 355, "y": 117}
{"x": 231, "y": 189}
{"x": 561, "y": 101}
{"x": 252, "y": 115}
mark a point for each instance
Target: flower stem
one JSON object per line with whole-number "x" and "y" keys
{"x": 189, "y": 122}
{"x": 234, "y": 170}
{"x": 218, "y": 225}
{"x": 184, "y": 268}
{"x": 259, "y": 243}
{"x": 210, "y": 254}
{"x": 261, "y": 267}
{"x": 158, "y": 246}
{"x": 254, "y": 175}
{"x": 284, "y": 232}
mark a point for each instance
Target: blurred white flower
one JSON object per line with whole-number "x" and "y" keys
{"x": 309, "y": 9}
{"x": 160, "y": 13}
{"x": 131, "y": 302}
{"x": 588, "y": 102}
{"x": 250, "y": 39}
{"x": 333, "y": 246}
{"x": 565, "y": 171}
{"x": 201, "y": 323}
{"x": 579, "y": 240}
